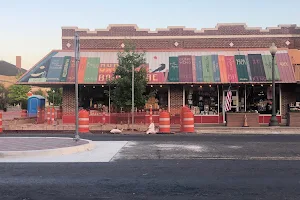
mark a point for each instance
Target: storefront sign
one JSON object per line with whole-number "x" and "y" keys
{"x": 231, "y": 69}
{"x": 257, "y": 68}
{"x": 207, "y": 69}
{"x": 71, "y": 72}
{"x": 185, "y": 69}
{"x": 215, "y": 67}
{"x": 81, "y": 69}
{"x": 173, "y": 69}
{"x": 241, "y": 67}
{"x": 91, "y": 72}
{"x": 55, "y": 69}
{"x": 199, "y": 69}
{"x": 65, "y": 70}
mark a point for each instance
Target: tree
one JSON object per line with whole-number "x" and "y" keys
{"x": 3, "y": 97}
{"x": 18, "y": 94}
{"x": 39, "y": 92}
{"x": 57, "y": 95}
{"x": 122, "y": 90}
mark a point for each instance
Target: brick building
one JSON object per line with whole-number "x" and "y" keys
{"x": 187, "y": 67}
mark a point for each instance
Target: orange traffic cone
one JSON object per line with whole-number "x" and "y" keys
{"x": 245, "y": 122}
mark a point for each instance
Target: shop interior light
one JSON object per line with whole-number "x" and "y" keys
{"x": 84, "y": 86}
{"x": 252, "y": 85}
{"x": 102, "y": 85}
{"x": 271, "y": 85}
{"x": 160, "y": 86}
{"x": 192, "y": 85}
{"x": 209, "y": 85}
{"x": 200, "y": 86}
{"x": 93, "y": 86}
{"x": 262, "y": 85}
{"x": 151, "y": 85}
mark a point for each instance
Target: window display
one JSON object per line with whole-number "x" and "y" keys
{"x": 202, "y": 100}
{"x": 259, "y": 98}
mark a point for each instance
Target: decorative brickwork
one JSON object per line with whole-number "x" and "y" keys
{"x": 199, "y": 43}
{"x": 221, "y": 29}
{"x": 176, "y": 96}
{"x": 239, "y": 35}
{"x": 68, "y": 100}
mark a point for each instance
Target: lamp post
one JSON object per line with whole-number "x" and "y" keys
{"x": 77, "y": 59}
{"x": 273, "y": 120}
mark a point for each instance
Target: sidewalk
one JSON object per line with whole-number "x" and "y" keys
{"x": 41, "y": 146}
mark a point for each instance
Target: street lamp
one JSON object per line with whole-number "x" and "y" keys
{"x": 273, "y": 120}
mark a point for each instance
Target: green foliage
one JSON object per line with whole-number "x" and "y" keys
{"x": 122, "y": 85}
{"x": 39, "y": 92}
{"x": 57, "y": 94}
{"x": 18, "y": 94}
{"x": 3, "y": 97}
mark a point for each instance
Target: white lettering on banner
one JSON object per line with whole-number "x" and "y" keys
{"x": 240, "y": 61}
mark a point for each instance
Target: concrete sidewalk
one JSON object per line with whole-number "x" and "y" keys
{"x": 41, "y": 146}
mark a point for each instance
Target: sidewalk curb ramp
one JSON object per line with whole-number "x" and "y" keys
{"x": 50, "y": 152}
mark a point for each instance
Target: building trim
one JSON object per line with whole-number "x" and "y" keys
{"x": 181, "y": 37}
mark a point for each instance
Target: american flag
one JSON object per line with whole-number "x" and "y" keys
{"x": 228, "y": 100}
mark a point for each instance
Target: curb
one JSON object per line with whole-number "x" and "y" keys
{"x": 50, "y": 152}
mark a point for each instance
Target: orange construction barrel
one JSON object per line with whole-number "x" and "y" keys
{"x": 164, "y": 122}
{"x": 188, "y": 125}
{"x": 1, "y": 129}
{"x": 183, "y": 110}
{"x": 23, "y": 113}
{"x": 84, "y": 121}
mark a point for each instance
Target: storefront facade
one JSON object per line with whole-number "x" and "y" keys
{"x": 186, "y": 66}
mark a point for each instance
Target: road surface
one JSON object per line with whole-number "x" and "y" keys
{"x": 168, "y": 167}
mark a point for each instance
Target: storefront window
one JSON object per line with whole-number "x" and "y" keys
{"x": 202, "y": 100}
{"x": 259, "y": 98}
{"x": 160, "y": 100}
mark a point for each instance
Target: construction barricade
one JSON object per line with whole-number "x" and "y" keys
{"x": 188, "y": 125}
{"x": 164, "y": 122}
{"x": 83, "y": 121}
{"x": 183, "y": 110}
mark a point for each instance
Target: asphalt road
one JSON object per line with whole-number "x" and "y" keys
{"x": 168, "y": 167}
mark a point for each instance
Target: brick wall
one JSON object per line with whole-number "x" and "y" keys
{"x": 288, "y": 95}
{"x": 68, "y": 100}
{"x": 176, "y": 96}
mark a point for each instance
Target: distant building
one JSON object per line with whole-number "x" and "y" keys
{"x": 8, "y": 71}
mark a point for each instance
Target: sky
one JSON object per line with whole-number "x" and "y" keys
{"x": 32, "y": 28}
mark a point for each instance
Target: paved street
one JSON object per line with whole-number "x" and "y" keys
{"x": 167, "y": 167}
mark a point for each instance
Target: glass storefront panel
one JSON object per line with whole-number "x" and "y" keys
{"x": 259, "y": 98}
{"x": 202, "y": 100}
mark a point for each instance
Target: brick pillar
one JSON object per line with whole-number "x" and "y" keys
{"x": 288, "y": 95}
{"x": 68, "y": 100}
{"x": 176, "y": 99}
